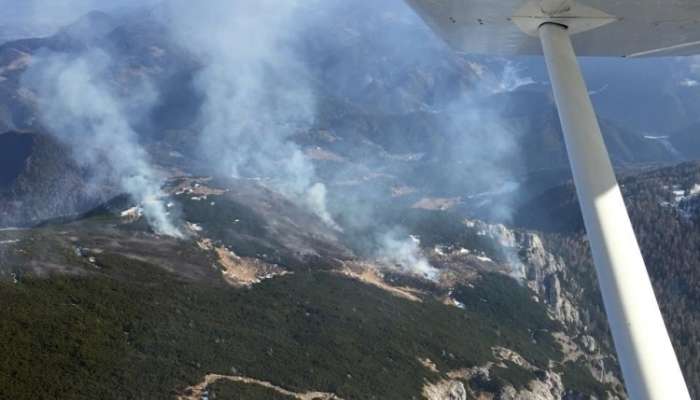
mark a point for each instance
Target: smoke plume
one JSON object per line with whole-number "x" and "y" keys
{"x": 406, "y": 74}
{"x": 78, "y": 105}
{"x": 257, "y": 91}
{"x": 266, "y": 71}
{"x": 397, "y": 251}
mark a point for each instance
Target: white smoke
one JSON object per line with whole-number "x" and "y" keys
{"x": 507, "y": 79}
{"x": 511, "y": 79}
{"x": 78, "y": 106}
{"x": 489, "y": 149}
{"x": 316, "y": 199}
{"x": 397, "y": 251}
{"x": 258, "y": 95}
{"x": 257, "y": 92}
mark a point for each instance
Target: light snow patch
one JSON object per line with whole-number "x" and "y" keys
{"x": 133, "y": 212}
{"x": 484, "y": 259}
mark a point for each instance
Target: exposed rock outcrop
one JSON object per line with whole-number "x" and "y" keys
{"x": 535, "y": 266}
{"x": 544, "y": 273}
{"x": 445, "y": 390}
{"x": 549, "y": 387}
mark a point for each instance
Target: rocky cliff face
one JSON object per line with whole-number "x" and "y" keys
{"x": 548, "y": 386}
{"x": 550, "y": 280}
{"x": 539, "y": 269}
{"x": 382, "y": 106}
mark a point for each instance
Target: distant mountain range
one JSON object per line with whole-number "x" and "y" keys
{"x": 382, "y": 101}
{"x": 454, "y": 163}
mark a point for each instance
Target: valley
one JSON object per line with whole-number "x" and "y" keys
{"x": 334, "y": 215}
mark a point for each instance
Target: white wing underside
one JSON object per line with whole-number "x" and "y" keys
{"x": 624, "y": 28}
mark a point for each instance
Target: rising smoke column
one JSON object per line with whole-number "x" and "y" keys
{"x": 257, "y": 92}
{"x": 396, "y": 251}
{"x": 78, "y": 106}
{"x": 404, "y": 70}
{"x": 258, "y": 95}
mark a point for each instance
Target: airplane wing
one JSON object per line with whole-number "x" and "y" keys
{"x": 559, "y": 30}
{"x": 624, "y": 28}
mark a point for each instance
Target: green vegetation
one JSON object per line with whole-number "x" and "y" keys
{"x": 132, "y": 330}
{"x": 506, "y": 307}
{"x": 227, "y": 390}
{"x": 513, "y": 374}
{"x": 670, "y": 240}
{"x": 577, "y": 377}
{"x": 249, "y": 237}
{"x": 436, "y": 228}
{"x": 255, "y": 231}
{"x": 499, "y": 377}
{"x": 218, "y": 219}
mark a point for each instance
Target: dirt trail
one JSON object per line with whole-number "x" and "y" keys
{"x": 196, "y": 392}
{"x": 370, "y": 275}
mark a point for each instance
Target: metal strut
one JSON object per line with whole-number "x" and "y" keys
{"x": 649, "y": 364}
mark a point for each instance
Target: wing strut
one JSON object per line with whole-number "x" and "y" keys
{"x": 648, "y": 361}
